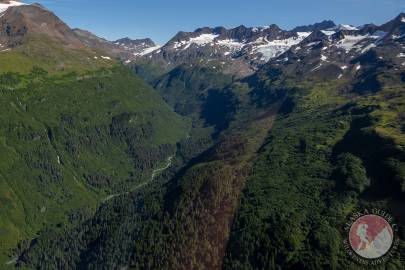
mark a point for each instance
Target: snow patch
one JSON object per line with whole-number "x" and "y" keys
{"x": 316, "y": 68}
{"x": 179, "y": 44}
{"x": 368, "y": 47}
{"x": 323, "y": 57}
{"x": 342, "y": 27}
{"x": 106, "y": 57}
{"x": 347, "y": 27}
{"x": 401, "y": 55}
{"x": 328, "y": 32}
{"x": 349, "y": 42}
{"x": 4, "y": 7}
{"x": 148, "y": 50}
{"x": 313, "y": 43}
{"x": 303, "y": 34}
{"x": 233, "y": 45}
{"x": 203, "y": 39}
{"x": 379, "y": 34}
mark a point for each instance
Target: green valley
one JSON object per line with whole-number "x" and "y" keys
{"x": 250, "y": 148}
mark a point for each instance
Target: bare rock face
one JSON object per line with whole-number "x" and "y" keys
{"x": 327, "y": 24}
{"x": 19, "y": 22}
{"x": 145, "y": 42}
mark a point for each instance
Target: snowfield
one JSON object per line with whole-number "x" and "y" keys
{"x": 349, "y": 42}
{"x": 233, "y": 45}
{"x": 149, "y": 50}
{"x": 275, "y": 48}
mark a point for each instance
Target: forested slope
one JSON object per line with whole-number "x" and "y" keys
{"x": 70, "y": 140}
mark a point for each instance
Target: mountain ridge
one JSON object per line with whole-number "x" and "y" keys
{"x": 19, "y": 21}
{"x": 241, "y": 51}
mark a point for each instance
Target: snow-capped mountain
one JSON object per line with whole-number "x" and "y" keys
{"x": 239, "y": 51}
{"x": 347, "y": 54}
{"x": 242, "y": 50}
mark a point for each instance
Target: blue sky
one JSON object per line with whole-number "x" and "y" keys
{"x": 161, "y": 19}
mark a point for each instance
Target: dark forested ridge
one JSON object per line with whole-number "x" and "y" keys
{"x": 190, "y": 166}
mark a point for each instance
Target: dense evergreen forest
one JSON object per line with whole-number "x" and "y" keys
{"x": 272, "y": 191}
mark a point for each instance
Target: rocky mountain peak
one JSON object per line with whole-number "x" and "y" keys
{"x": 20, "y": 21}
{"x": 398, "y": 21}
{"x": 147, "y": 42}
{"x": 326, "y": 24}
{"x": 401, "y": 17}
